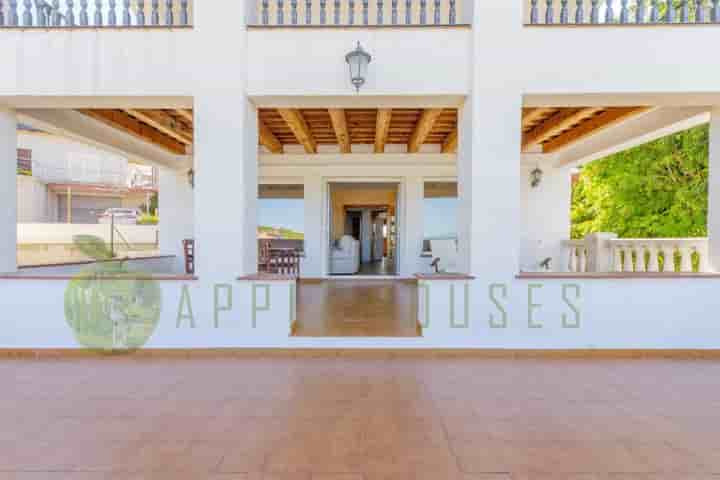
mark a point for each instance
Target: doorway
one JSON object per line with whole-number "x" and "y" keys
{"x": 363, "y": 229}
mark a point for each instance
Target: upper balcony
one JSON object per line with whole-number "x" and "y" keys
{"x": 621, "y": 12}
{"x": 95, "y": 13}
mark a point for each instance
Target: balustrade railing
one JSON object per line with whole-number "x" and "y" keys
{"x": 607, "y": 253}
{"x": 95, "y": 13}
{"x": 358, "y": 12}
{"x": 624, "y": 12}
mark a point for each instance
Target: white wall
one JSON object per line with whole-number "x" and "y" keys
{"x": 8, "y": 190}
{"x": 33, "y": 204}
{"x": 410, "y": 170}
{"x": 176, "y": 213}
{"x": 58, "y": 159}
{"x": 63, "y": 233}
{"x": 546, "y": 217}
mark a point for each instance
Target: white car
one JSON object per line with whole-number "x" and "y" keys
{"x": 123, "y": 216}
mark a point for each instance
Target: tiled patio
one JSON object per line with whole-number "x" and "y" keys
{"x": 338, "y": 418}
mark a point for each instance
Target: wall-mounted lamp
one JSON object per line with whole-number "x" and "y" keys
{"x": 191, "y": 177}
{"x": 358, "y": 61}
{"x": 536, "y": 177}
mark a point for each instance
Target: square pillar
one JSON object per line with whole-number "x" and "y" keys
{"x": 226, "y": 185}
{"x": 175, "y": 205}
{"x": 8, "y": 191}
{"x": 713, "y": 221}
{"x": 414, "y": 226}
{"x": 315, "y": 244}
{"x": 489, "y": 137}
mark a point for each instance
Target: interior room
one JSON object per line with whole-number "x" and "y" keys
{"x": 363, "y": 230}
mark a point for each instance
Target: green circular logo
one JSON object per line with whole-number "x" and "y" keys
{"x": 112, "y": 308}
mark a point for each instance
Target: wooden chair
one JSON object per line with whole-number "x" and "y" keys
{"x": 286, "y": 262}
{"x": 264, "y": 255}
{"x": 189, "y": 249}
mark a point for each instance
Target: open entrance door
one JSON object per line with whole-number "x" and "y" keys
{"x": 362, "y": 227}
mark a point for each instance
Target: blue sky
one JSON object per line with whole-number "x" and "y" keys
{"x": 282, "y": 212}
{"x": 440, "y": 215}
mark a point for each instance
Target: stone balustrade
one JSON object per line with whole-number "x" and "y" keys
{"x": 95, "y": 13}
{"x": 604, "y": 252}
{"x": 583, "y": 12}
{"x": 357, "y": 12}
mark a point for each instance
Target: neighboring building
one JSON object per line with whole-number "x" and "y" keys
{"x": 61, "y": 180}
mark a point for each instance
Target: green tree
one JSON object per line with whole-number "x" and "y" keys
{"x": 651, "y": 191}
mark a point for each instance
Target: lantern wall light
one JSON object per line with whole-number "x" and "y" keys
{"x": 358, "y": 61}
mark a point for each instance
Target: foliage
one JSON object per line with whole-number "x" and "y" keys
{"x": 280, "y": 232}
{"x": 26, "y": 173}
{"x": 654, "y": 190}
{"x": 153, "y": 205}
{"x": 146, "y": 219}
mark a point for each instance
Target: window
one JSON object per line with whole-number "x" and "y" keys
{"x": 281, "y": 215}
{"x": 440, "y": 209}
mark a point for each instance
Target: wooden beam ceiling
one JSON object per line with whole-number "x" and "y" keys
{"x": 185, "y": 114}
{"x": 423, "y": 128}
{"x": 556, "y": 124}
{"x": 531, "y": 116}
{"x": 268, "y": 138}
{"x": 294, "y": 119}
{"x": 120, "y": 120}
{"x": 606, "y": 119}
{"x": 164, "y": 123}
{"x": 382, "y": 128}
{"x": 451, "y": 142}
{"x": 339, "y": 123}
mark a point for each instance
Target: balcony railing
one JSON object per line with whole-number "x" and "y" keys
{"x": 95, "y": 13}
{"x": 623, "y": 12}
{"x": 358, "y": 12}
{"x": 605, "y": 253}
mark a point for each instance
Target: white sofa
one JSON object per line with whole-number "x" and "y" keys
{"x": 345, "y": 257}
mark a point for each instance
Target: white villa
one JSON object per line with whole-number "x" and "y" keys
{"x": 489, "y": 104}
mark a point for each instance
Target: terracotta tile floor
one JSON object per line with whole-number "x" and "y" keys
{"x": 338, "y": 418}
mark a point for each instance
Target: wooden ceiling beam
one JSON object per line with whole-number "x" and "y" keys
{"x": 162, "y": 122}
{"x": 185, "y": 114}
{"x": 268, "y": 138}
{"x": 294, "y": 119}
{"x": 424, "y": 125}
{"x": 556, "y": 124}
{"x": 451, "y": 142}
{"x": 531, "y": 115}
{"x": 608, "y": 118}
{"x": 120, "y": 120}
{"x": 382, "y": 128}
{"x": 339, "y": 123}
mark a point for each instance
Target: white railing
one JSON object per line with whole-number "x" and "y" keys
{"x": 660, "y": 255}
{"x": 95, "y": 13}
{"x": 623, "y": 12}
{"x": 82, "y": 174}
{"x": 577, "y": 255}
{"x": 358, "y": 12}
{"x": 604, "y": 252}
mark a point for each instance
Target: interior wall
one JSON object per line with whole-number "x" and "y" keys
{"x": 357, "y": 196}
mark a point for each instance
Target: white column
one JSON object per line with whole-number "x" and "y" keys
{"x": 8, "y": 191}
{"x": 414, "y": 227}
{"x": 226, "y": 144}
{"x": 315, "y": 235}
{"x": 713, "y": 223}
{"x": 175, "y": 205}
{"x": 226, "y": 184}
{"x": 489, "y": 147}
